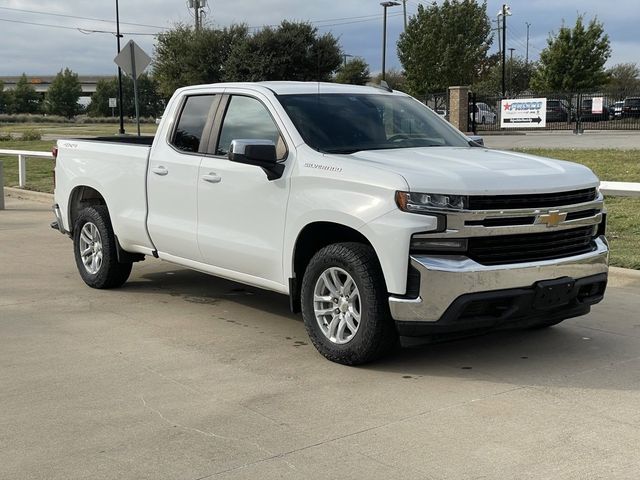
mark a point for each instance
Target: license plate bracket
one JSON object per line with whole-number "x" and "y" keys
{"x": 553, "y": 293}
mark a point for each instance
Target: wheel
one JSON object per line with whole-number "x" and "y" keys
{"x": 94, "y": 246}
{"x": 345, "y": 305}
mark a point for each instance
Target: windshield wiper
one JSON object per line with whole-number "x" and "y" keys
{"x": 342, "y": 151}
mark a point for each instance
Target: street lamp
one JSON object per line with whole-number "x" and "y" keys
{"x": 505, "y": 11}
{"x": 385, "y": 5}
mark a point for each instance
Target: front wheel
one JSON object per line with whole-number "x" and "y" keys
{"x": 345, "y": 304}
{"x": 94, "y": 246}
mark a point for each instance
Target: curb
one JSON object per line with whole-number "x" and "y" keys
{"x": 23, "y": 194}
{"x": 625, "y": 273}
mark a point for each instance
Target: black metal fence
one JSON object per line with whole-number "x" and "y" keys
{"x": 565, "y": 111}
{"x": 439, "y": 103}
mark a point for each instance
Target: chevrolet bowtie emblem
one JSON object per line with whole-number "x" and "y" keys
{"x": 553, "y": 218}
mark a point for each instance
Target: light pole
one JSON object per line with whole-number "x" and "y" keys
{"x": 121, "y": 131}
{"x": 505, "y": 11}
{"x": 385, "y": 5}
{"x": 527, "y": 55}
{"x": 511, "y": 50}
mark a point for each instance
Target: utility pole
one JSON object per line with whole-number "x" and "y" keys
{"x": 527, "y": 55}
{"x": 197, "y": 6}
{"x": 504, "y": 11}
{"x": 511, "y": 69}
{"x": 118, "y": 37}
{"x": 404, "y": 9}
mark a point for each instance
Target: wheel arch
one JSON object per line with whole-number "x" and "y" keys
{"x": 80, "y": 197}
{"x": 313, "y": 237}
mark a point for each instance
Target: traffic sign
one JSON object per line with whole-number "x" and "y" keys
{"x": 523, "y": 112}
{"x": 132, "y": 59}
{"x": 113, "y": 103}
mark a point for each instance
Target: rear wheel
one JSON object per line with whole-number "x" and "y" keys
{"x": 94, "y": 246}
{"x": 345, "y": 305}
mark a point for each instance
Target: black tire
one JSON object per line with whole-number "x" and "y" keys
{"x": 376, "y": 334}
{"x": 111, "y": 273}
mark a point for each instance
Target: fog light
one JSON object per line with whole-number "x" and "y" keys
{"x": 439, "y": 244}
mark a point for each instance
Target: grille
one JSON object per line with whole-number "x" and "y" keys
{"x": 535, "y": 200}
{"x": 504, "y": 249}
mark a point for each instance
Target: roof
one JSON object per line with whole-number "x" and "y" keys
{"x": 289, "y": 88}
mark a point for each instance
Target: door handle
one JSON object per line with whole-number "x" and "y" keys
{"x": 212, "y": 178}
{"x": 160, "y": 170}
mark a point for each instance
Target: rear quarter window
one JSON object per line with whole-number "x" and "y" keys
{"x": 188, "y": 134}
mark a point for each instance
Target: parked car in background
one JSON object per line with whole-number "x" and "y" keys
{"x": 483, "y": 114}
{"x": 631, "y": 107}
{"x": 586, "y": 111}
{"x": 558, "y": 110}
{"x": 617, "y": 109}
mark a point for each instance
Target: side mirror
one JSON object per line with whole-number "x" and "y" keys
{"x": 260, "y": 153}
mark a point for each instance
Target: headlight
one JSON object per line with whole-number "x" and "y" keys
{"x": 427, "y": 202}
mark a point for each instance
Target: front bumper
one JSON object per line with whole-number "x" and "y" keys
{"x": 444, "y": 279}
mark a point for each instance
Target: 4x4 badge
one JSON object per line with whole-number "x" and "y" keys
{"x": 553, "y": 218}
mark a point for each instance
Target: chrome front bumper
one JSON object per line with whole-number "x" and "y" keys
{"x": 445, "y": 278}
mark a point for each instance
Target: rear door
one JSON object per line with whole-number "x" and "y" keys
{"x": 173, "y": 179}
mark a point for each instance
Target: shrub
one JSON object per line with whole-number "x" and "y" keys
{"x": 5, "y": 137}
{"x": 31, "y": 135}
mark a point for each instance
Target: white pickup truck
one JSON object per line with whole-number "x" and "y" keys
{"x": 376, "y": 217}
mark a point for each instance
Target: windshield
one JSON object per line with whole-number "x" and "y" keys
{"x": 347, "y": 123}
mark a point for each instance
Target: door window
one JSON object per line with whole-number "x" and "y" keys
{"x": 248, "y": 118}
{"x": 193, "y": 118}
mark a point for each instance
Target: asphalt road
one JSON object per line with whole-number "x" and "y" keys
{"x": 183, "y": 376}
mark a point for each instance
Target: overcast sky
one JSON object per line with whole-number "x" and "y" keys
{"x": 39, "y": 50}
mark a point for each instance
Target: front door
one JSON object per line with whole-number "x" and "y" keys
{"x": 241, "y": 214}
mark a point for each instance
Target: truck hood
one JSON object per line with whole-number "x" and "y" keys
{"x": 478, "y": 171}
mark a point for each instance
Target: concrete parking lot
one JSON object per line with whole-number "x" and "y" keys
{"x": 183, "y": 376}
{"x": 590, "y": 140}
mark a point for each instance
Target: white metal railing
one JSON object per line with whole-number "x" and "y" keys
{"x": 621, "y": 189}
{"x": 22, "y": 162}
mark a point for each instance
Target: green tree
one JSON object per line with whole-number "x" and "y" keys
{"x": 394, "y": 78}
{"x": 151, "y": 104}
{"x": 4, "y": 98}
{"x": 624, "y": 79}
{"x": 574, "y": 59}
{"x": 445, "y": 45}
{"x": 185, "y": 56}
{"x": 63, "y": 94}
{"x": 354, "y": 72}
{"x": 292, "y": 51}
{"x": 518, "y": 77}
{"x": 24, "y": 98}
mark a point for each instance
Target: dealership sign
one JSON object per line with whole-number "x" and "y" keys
{"x": 524, "y": 112}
